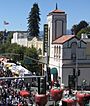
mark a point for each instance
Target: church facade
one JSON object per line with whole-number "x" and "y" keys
{"x": 67, "y": 54}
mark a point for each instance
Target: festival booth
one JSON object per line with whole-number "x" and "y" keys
{"x": 56, "y": 94}
{"x": 41, "y": 99}
{"x": 8, "y": 64}
{"x": 18, "y": 70}
{"x": 83, "y": 99}
{"x": 22, "y": 70}
{"x": 24, "y": 93}
{"x": 69, "y": 102}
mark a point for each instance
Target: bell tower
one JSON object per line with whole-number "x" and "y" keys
{"x": 57, "y": 23}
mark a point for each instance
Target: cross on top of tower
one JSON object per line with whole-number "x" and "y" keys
{"x": 56, "y": 10}
{"x": 56, "y": 6}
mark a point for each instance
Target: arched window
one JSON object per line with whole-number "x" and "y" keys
{"x": 54, "y": 51}
{"x": 59, "y": 51}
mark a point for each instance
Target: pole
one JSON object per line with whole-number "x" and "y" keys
{"x": 48, "y": 45}
{"x": 47, "y": 60}
{"x": 4, "y": 78}
{"x": 76, "y": 84}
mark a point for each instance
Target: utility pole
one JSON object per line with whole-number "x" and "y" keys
{"x": 76, "y": 81}
{"x": 46, "y": 46}
{"x": 48, "y": 53}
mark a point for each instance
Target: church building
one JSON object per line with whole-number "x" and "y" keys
{"x": 67, "y": 53}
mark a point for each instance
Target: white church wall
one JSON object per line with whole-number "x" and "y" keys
{"x": 56, "y": 61}
{"x": 66, "y": 53}
{"x": 81, "y": 53}
{"x": 49, "y": 21}
{"x": 65, "y": 73}
{"x": 84, "y": 75}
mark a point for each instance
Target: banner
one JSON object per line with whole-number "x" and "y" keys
{"x": 45, "y": 37}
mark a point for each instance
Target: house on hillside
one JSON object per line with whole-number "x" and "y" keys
{"x": 22, "y": 39}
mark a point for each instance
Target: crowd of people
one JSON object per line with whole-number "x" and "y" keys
{"x": 10, "y": 90}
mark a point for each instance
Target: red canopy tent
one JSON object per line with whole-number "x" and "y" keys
{"x": 69, "y": 102}
{"x": 81, "y": 96}
{"x": 41, "y": 99}
{"x": 24, "y": 93}
{"x": 56, "y": 94}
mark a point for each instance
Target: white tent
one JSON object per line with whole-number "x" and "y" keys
{"x": 17, "y": 68}
{"x": 22, "y": 70}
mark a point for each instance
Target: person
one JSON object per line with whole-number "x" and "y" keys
{"x": 70, "y": 91}
{"x": 19, "y": 104}
{"x": 84, "y": 83}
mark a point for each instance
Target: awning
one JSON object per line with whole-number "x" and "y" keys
{"x": 24, "y": 93}
{"x": 8, "y": 65}
{"x": 54, "y": 71}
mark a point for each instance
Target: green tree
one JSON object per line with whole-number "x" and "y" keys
{"x": 33, "y": 21}
{"x": 9, "y": 37}
{"x": 1, "y": 37}
{"x": 32, "y": 58}
{"x": 15, "y": 52}
{"x": 84, "y": 31}
{"x": 76, "y": 28}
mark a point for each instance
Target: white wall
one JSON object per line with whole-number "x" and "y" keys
{"x": 84, "y": 74}
{"x": 22, "y": 40}
{"x": 81, "y": 54}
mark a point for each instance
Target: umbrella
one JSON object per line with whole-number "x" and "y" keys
{"x": 24, "y": 93}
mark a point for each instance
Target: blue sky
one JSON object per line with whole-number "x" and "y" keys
{"x": 16, "y": 12}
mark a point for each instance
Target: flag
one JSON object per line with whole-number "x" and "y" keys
{"x": 6, "y": 23}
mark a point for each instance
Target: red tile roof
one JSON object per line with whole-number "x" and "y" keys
{"x": 57, "y": 11}
{"x": 63, "y": 39}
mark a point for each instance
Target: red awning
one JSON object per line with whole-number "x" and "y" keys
{"x": 24, "y": 93}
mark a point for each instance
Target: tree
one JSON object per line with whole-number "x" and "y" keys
{"x": 33, "y": 54}
{"x": 83, "y": 24}
{"x": 19, "y": 53}
{"x": 9, "y": 37}
{"x": 84, "y": 31}
{"x": 76, "y": 28}
{"x": 1, "y": 37}
{"x": 6, "y": 36}
{"x": 33, "y": 21}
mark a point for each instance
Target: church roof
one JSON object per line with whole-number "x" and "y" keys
{"x": 56, "y": 11}
{"x": 63, "y": 39}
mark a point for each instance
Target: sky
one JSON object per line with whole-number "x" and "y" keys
{"x": 16, "y": 12}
